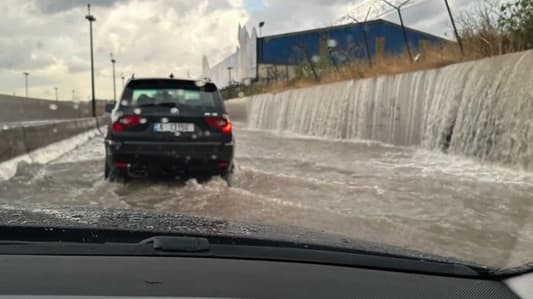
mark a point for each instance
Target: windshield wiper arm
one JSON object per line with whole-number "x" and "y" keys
{"x": 80, "y": 241}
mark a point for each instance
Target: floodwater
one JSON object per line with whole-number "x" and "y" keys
{"x": 401, "y": 196}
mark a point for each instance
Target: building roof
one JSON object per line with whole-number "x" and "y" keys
{"x": 329, "y": 28}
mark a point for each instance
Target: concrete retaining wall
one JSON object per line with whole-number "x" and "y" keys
{"x": 21, "y": 140}
{"x": 237, "y": 109}
{"x": 481, "y": 109}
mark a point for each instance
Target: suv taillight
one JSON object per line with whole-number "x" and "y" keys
{"x": 125, "y": 122}
{"x": 219, "y": 123}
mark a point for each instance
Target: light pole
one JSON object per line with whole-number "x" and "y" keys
{"x": 229, "y": 73}
{"x": 113, "y": 61}
{"x": 261, "y": 24}
{"x": 459, "y": 40}
{"x": 26, "y": 74}
{"x": 91, "y": 19}
{"x": 57, "y": 102}
{"x": 122, "y": 77}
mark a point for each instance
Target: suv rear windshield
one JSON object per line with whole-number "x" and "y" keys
{"x": 184, "y": 94}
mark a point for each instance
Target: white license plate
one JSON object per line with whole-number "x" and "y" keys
{"x": 174, "y": 127}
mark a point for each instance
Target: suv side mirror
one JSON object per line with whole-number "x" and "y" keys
{"x": 109, "y": 107}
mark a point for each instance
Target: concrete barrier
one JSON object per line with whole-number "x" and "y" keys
{"x": 21, "y": 140}
{"x": 22, "y": 109}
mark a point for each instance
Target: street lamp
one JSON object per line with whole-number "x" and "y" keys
{"x": 261, "y": 24}
{"x": 91, "y": 19}
{"x": 113, "y": 61}
{"x": 26, "y": 74}
{"x": 122, "y": 77}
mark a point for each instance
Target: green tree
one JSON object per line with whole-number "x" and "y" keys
{"x": 516, "y": 23}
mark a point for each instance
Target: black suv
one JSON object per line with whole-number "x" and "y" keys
{"x": 169, "y": 127}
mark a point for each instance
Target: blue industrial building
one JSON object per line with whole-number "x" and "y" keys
{"x": 277, "y": 57}
{"x": 341, "y": 43}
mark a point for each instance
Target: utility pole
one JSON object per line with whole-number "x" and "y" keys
{"x": 57, "y": 102}
{"x": 122, "y": 77}
{"x": 398, "y": 9}
{"x": 113, "y": 61}
{"x": 229, "y": 73}
{"x": 365, "y": 36}
{"x": 26, "y": 74}
{"x": 91, "y": 19}
{"x": 459, "y": 40}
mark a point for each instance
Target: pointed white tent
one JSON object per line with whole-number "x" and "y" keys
{"x": 243, "y": 62}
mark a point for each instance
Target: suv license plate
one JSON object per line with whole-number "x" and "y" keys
{"x": 174, "y": 127}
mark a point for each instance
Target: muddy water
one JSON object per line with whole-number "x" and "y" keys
{"x": 421, "y": 200}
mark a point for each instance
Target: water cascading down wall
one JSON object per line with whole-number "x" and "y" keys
{"x": 481, "y": 109}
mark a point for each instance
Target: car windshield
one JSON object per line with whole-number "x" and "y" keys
{"x": 369, "y": 125}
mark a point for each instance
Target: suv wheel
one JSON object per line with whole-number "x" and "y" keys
{"x": 112, "y": 174}
{"x": 228, "y": 175}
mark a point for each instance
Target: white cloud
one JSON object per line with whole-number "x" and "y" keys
{"x": 148, "y": 38}
{"x": 50, "y": 38}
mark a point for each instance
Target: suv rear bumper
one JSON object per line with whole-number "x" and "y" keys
{"x": 171, "y": 157}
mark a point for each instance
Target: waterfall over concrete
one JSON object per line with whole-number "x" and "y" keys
{"x": 481, "y": 109}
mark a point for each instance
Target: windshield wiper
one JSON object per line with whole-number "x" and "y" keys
{"x": 75, "y": 241}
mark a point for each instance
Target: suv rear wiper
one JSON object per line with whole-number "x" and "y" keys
{"x": 163, "y": 104}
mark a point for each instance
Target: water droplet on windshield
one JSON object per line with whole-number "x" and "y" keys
{"x": 214, "y": 157}
{"x": 241, "y": 94}
{"x": 52, "y": 107}
{"x": 76, "y": 107}
{"x": 54, "y": 130}
{"x": 137, "y": 111}
{"x": 5, "y": 127}
{"x": 315, "y": 59}
{"x": 142, "y": 120}
{"x": 200, "y": 83}
{"x": 124, "y": 103}
{"x": 188, "y": 158}
{"x": 207, "y": 133}
{"x": 247, "y": 82}
{"x": 174, "y": 110}
{"x": 332, "y": 43}
{"x": 177, "y": 134}
{"x": 194, "y": 136}
{"x": 164, "y": 120}
{"x": 181, "y": 92}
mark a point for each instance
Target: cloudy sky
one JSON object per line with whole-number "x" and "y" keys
{"x": 50, "y": 38}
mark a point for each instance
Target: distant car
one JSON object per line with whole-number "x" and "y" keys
{"x": 169, "y": 127}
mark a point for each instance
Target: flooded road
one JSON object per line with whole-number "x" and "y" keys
{"x": 416, "y": 199}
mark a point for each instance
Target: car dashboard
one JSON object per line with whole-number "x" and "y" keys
{"x": 47, "y": 276}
